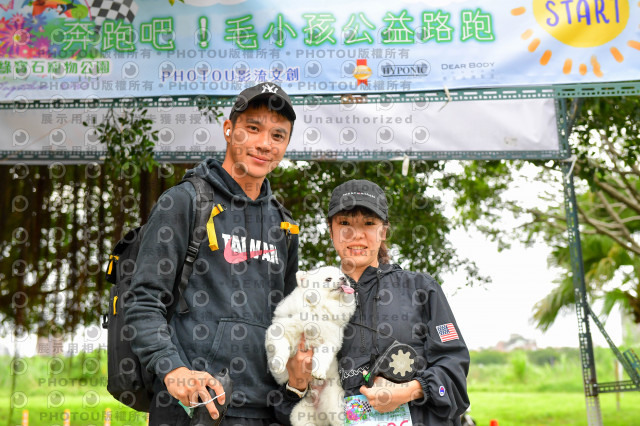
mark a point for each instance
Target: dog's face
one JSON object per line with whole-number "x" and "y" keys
{"x": 327, "y": 279}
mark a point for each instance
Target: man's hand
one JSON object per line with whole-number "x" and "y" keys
{"x": 299, "y": 367}
{"x": 386, "y": 396}
{"x": 187, "y": 385}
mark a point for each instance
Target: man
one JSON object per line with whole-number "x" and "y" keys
{"x": 233, "y": 289}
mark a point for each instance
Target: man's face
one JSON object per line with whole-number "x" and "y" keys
{"x": 258, "y": 141}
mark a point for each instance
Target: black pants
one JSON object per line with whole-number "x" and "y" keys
{"x": 165, "y": 411}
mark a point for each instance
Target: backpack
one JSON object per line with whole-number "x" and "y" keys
{"x": 127, "y": 380}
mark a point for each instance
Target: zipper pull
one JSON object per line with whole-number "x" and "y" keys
{"x": 354, "y": 284}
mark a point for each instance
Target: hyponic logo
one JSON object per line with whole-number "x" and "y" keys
{"x": 235, "y": 249}
{"x": 594, "y": 27}
{"x": 417, "y": 70}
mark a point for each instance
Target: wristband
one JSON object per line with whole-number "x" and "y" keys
{"x": 300, "y": 393}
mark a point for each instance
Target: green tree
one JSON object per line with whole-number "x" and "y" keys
{"x": 418, "y": 236}
{"x": 58, "y": 222}
{"x": 606, "y": 142}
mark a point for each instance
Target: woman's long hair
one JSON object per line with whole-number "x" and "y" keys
{"x": 383, "y": 253}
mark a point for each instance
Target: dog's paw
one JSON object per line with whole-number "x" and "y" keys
{"x": 319, "y": 375}
{"x": 319, "y": 367}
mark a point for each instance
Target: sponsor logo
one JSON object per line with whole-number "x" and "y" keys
{"x": 415, "y": 70}
{"x": 362, "y": 72}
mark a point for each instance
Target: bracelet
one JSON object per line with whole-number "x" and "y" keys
{"x": 300, "y": 393}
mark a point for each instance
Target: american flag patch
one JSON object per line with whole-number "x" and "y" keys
{"x": 447, "y": 332}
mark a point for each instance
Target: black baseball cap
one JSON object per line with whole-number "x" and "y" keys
{"x": 278, "y": 99}
{"x": 359, "y": 192}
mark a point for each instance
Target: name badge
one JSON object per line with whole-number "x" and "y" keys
{"x": 358, "y": 411}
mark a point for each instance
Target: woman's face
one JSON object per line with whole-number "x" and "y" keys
{"x": 357, "y": 240}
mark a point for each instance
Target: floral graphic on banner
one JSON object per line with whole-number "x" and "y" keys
{"x": 52, "y": 29}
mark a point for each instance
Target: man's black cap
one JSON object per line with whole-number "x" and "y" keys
{"x": 361, "y": 193}
{"x": 278, "y": 99}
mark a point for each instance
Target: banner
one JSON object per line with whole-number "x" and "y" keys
{"x": 509, "y": 128}
{"x": 113, "y": 49}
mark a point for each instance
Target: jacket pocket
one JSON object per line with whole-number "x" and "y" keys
{"x": 215, "y": 346}
{"x": 239, "y": 346}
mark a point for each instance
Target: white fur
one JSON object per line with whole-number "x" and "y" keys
{"x": 320, "y": 309}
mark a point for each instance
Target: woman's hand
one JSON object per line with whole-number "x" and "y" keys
{"x": 386, "y": 396}
{"x": 299, "y": 367}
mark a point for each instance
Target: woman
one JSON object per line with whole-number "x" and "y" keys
{"x": 395, "y": 308}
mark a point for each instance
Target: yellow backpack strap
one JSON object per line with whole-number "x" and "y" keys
{"x": 287, "y": 224}
{"x": 290, "y": 227}
{"x": 211, "y": 229}
{"x": 111, "y": 259}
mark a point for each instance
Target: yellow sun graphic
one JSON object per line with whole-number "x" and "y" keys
{"x": 579, "y": 24}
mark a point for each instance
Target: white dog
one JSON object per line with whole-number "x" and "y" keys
{"x": 320, "y": 307}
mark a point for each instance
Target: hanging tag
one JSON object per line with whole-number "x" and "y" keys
{"x": 405, "y": 165}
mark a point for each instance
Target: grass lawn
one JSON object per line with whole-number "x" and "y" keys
{"x": 509, "y": 409}
{"x": 553, "y": 408}
{"x": 41, "y": 412}
{"x": 516, "y": 389}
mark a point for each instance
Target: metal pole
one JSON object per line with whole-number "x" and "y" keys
{"x": 616, "y": 365}
{"x": 594, "y": 415}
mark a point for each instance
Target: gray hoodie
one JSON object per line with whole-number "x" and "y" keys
{"x": 231, "y": 293}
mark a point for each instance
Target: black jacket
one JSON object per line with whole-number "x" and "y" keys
{"x": 231, "y": 293}
{"x": 410, "y": 306}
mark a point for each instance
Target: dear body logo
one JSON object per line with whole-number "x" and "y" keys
{"x": 585, "y": 34}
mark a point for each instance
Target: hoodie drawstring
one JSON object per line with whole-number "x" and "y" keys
{"x": 262, "y": 238}
{"x": 261, "y": 243}
{"x": 376, "y": 299}
{"x": 246, "y": 232}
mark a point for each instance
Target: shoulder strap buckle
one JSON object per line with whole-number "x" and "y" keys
{"x": 192, "y": 254}
{"x": 290, "y": 227}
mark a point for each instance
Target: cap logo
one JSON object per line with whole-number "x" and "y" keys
{"x": 271, "y": 88}
{"x": 358, "y": 193}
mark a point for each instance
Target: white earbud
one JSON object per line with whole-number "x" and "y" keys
{"x": 228, "y": 131}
